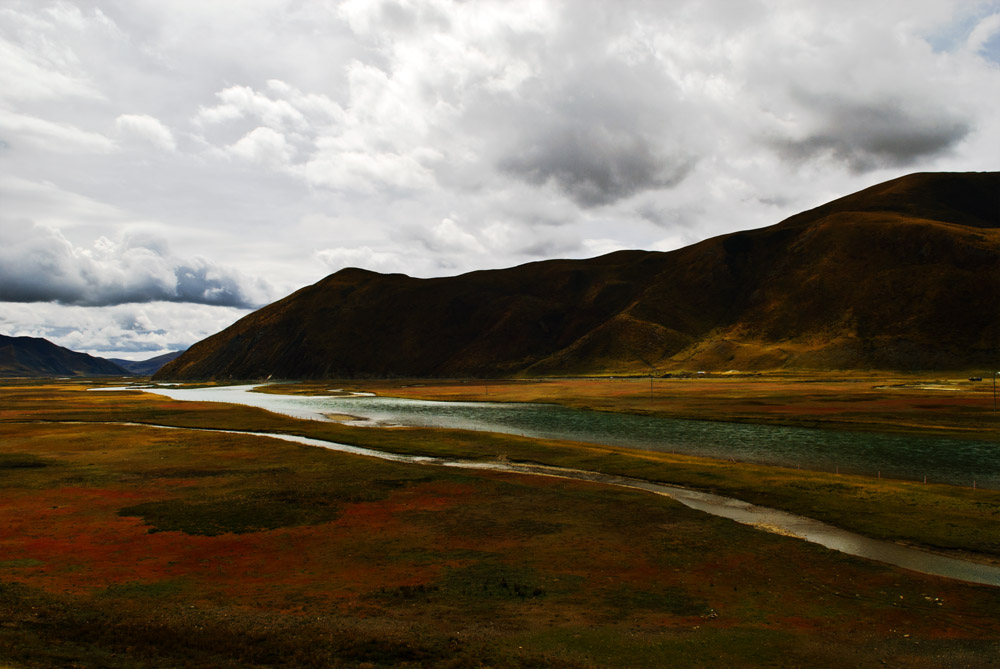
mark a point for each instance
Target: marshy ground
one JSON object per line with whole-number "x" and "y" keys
{"x": 125, "y": 545}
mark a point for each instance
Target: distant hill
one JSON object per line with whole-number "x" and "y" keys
{"x": 903, "y": 275}
{"x": 35, "y": 357}
{"x": 146, "y": 367}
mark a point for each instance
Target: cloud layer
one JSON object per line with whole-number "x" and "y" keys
{"x": 130, "y": 331}
{"x": 41, "y": 265}
{"x": 228, "y": 153}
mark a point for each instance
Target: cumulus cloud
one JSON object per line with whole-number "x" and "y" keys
{"x": 436, "y": 136}
{"x": 146, "y": 129}
{"x": 865, "y": 137}
{"x": 595, "y": 165}
{"x": 263, "y": 145}
{"x": 449, "y": 236}
{"x": 596, "y": 144}
{"x": 630, "y": 100}
{"x": 236, "y": 102}
{"x": 41, "y": 265}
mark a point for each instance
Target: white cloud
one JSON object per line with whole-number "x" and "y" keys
{"x": 599, "y": 247}
{"x": 47, "y": 204}
{"x": 263, "y": 145}
{"x": 363, "y": 257}
{"x": 984, "y": 31}
{"x": 451, "y": 237}
{"x": 30, "y": 75}
{"x": 243, "y": 102}
{"x": 37, "y": 47}
{"x": 365, "y": 172}
{"x": 146, "y": 129}
{"x": 51, "y": 136}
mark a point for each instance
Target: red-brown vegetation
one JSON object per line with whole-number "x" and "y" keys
{"x": 393, "y": 564}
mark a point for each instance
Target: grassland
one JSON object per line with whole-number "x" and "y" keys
{"x": 127, "y": 545}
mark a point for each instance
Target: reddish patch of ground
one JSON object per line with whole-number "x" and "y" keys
{"x": 71, "y": 540}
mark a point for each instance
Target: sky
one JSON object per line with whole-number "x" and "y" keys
{"x": 167, "y": 167}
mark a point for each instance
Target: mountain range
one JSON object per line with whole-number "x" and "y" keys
{"x": 35, "y": 357}
{"x": 903, "y": 275}
{"x": 38, "y": 358}
{"x": 146, "y": 367}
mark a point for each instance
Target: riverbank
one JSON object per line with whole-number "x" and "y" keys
{"x": 135, "y": 546}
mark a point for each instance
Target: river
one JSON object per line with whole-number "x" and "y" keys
{"x": 940, "y": 460}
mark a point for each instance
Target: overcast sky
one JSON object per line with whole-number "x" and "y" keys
{"x": 165, "y": 167}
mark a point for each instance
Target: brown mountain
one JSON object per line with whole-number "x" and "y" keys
{"x": 35, "y": 357}
{"x": 902, "y": 275}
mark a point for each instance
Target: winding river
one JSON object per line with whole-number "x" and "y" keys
{"x": 954, "y": 461}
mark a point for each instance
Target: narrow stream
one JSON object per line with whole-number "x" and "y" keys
{"x": 742, "y": 512}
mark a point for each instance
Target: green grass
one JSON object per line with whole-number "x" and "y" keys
{"x": 258, "y": 512}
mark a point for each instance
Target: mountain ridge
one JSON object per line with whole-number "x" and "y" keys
{"x": 146, "y": 367}
{"x": 900, "y": 275}
{"x": 36, "y": 357}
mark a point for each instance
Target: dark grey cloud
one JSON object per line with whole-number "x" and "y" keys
{"x": 871, "y": 135}
{"x": 603, "y": 131}
{"x": 596, "y": 165}
{"x": 41, "y": 265}
{"x": 203, "y": 283}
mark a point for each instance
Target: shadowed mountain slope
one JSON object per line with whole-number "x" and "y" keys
{"x": 34, "y": 357}
{"x": 902, "y": 275}
{"x": 146, "y": 367}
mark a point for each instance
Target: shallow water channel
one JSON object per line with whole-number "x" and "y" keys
{"x": 953, "y": 461}
{"x": 761, "y": 517}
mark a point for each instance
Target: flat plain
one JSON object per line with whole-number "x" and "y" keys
{"x": 916, "y": 403}
{"x": 130, "y": 545}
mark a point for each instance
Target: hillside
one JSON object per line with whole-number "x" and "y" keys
{"x": 35, "y": 357}
{"x": 902, "y": 275}
{"x": 146, "y": 367}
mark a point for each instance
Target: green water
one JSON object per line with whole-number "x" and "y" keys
{"x": 953, "y": 461}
